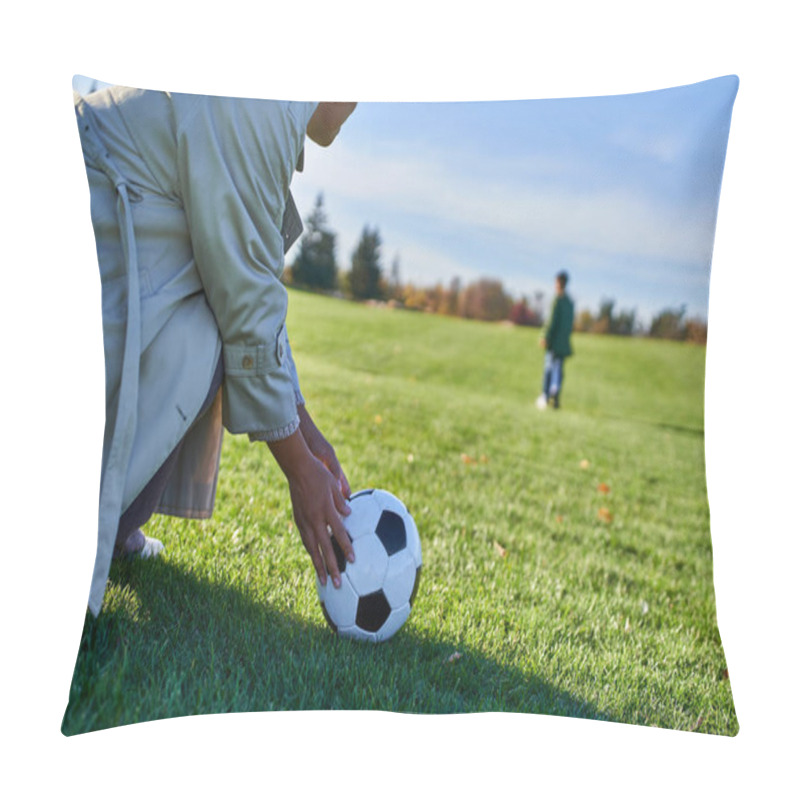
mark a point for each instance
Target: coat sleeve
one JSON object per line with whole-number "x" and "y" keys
{"x": 298, "y": 395}
{"x": 235, "y": 161}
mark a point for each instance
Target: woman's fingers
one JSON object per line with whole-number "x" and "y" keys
{"x": 319, "y": 507}
{"x": 326, "y": 546}
{"x": 319, "y": 546}
{"x": 335, "y": 468}
{"x": 341, "y": 535}
{"x": 318, "y": 542}
{"x": 340, "y": 503}
{"x": 312, "y": 548}
{"x": 344, "y": 484}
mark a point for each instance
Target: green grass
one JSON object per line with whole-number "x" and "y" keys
{"x": 552, "y": 609}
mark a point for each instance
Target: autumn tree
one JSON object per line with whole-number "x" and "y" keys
{"x": 622, "y": 323}
{"x": 584, "y": 321}
{"x": 522, "y": 314}
{"x": 697, "y": 331}
{"x": 485, "y": 300}
{"x": 452, "y": 296}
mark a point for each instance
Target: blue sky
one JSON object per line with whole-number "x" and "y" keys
{"x": 620, "y": 191}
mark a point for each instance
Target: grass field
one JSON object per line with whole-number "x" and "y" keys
{"x": 541, "y": 591}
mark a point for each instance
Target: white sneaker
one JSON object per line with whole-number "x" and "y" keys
{"x": 541, "y": 403}
{"x": 149, "y": 548}
{"x": 152, "y": 548}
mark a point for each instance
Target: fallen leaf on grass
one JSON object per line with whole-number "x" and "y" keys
{"x": 604, "y": 488}
{"x": 378, "y": 419}
{"x": 584, "y": 464}
{"x": 467, "y": 459}
{"x": 725, "y": 675}
{"x": 559, "y": 518}
{"x": 453, "y": 657}
{"x": 484, "y": 460}
{"x": 605, "y": 515}
{"x": 500, "y": 549}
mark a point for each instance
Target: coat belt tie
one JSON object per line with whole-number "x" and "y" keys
{"x": 115, "y": 471}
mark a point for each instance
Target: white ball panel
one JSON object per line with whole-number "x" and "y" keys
{"x": 386, "y": 500}
{"x": 341, "y": 603}
{"x": 394, "y": 623}
{"x": 364, "y": 515}
{"x": 399, "y": 582}
{"x": 358, "y": 634}
{"x": 368, "y": 571}
{"x": 413, "y": 543}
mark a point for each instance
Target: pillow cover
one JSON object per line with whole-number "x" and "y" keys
{"x": 542, "y": 422}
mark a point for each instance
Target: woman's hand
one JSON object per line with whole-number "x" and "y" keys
{"x": 321, "y": 448}
{"x": 318, "y": 504}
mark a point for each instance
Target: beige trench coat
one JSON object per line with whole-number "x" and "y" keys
{"x": 192, "y": 215}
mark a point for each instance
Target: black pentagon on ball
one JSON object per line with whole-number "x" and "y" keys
{"x": 358, "y": 494}
{"x": 391, "y": 530}
{"x": 328, "y": 619}
{"x": 373, "y": 610}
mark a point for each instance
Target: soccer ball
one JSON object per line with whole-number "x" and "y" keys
{"x": 379, "y": 588}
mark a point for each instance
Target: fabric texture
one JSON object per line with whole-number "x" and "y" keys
{"x": 152, "y": 498}
{"x": 189, "y": 199}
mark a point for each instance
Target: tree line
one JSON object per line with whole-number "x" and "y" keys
{"x": 315, "y": 268}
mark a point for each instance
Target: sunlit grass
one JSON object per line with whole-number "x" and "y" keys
{"x": 557, "y": 597}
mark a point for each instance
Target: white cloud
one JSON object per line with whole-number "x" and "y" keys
{"x": 429, "y": 265}
{"x": 615, "y": 222}
{"x": 665, "y": 147}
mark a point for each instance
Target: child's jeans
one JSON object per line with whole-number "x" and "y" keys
{"x": 553, "y": 374}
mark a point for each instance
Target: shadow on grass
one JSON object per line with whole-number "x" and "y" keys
{"x": 690, "y": 430}
{"x": 191, "y": 646}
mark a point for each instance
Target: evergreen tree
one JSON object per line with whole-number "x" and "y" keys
{"x": 365, "y": 275}
{"x": 315, "y": 265}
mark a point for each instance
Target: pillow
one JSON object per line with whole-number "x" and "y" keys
{"x": 541, "y": 420}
